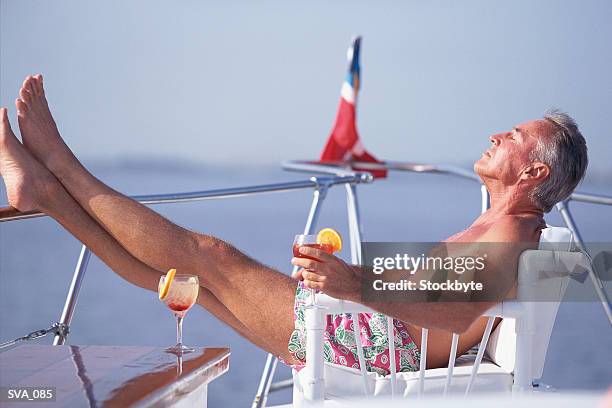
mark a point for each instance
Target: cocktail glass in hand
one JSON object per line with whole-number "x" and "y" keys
{"x": 310, "y": 241}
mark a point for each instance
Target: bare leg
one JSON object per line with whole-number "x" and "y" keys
{"x": 240, "y": 283}
{"x": 144, "y": 233}
{"x": 31, "y": 186}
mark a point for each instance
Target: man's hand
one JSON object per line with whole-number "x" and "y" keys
{"x": 328, "y": 274}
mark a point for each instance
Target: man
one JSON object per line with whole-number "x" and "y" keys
{"x": 526, "y": 171}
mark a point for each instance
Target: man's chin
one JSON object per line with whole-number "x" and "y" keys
{"x": 482, "y": 167}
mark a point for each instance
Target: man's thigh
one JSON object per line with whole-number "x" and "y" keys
{"x": 262, "y": 299}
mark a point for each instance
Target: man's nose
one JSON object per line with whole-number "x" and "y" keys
{"x": 495, "y": 139}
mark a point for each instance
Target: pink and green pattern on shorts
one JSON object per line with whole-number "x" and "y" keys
{"x": 339, "y": 342}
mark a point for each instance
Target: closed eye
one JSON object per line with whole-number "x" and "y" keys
{"x": 515, "y": 132}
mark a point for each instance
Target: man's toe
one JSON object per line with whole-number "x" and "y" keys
{"x": 25, "y": 95}
{"x": 21, "y": 106}
{"x": 38, "y": 85}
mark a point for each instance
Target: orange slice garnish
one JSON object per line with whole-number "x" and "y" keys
{"x": 163, "y": 292}
{"x": 331, "y": 237}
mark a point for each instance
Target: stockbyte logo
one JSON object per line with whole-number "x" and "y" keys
{"x": 425, "y": 285}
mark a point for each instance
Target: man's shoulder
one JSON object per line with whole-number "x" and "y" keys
{"x": 514, "y": 228}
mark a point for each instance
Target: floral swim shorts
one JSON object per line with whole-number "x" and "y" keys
{"x": 339, "y": 341}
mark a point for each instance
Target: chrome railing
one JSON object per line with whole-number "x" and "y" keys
{"x": 320, "y": 185}
{"x": 11, "y": 214}
{"x": 340, "y": 168}
{"x": 590, "y": 198}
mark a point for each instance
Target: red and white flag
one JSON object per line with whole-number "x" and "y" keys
{"x": 343, "y": 143}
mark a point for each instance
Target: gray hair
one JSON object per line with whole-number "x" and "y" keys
{"x": 565, "y": 153}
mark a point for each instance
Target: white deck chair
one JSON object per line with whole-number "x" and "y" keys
{"x": 508, "y": 360}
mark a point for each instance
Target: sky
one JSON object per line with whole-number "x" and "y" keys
{"x": 258, "y": 82}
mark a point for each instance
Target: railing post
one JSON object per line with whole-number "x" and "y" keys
{"x": 315, "y": 208}
{"x": 319, "y": 195}
{"x": 73, "y": 294}
{"x": 354, "y": 223}
{"x": 266, "y": 378}
{"x": 563, "y": 208}
{"x": 485, "y": 201}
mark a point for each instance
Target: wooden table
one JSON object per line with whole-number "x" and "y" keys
{"x": 109, "y": 376}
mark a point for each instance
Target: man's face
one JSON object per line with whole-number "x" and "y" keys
{"x": 508, "y": 156}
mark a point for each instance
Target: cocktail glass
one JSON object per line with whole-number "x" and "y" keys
{"x": 182, "y": 294}
{"x": 309, "y": 241}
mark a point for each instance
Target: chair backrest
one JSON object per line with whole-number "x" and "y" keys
{"x": 502, "y": 345}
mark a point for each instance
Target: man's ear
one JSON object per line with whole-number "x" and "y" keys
{"x": 535, "y": 171}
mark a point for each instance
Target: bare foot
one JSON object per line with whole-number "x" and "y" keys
{"x": 29, "y": 185}
{"x": 38, "y": 129}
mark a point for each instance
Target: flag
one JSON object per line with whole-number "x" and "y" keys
{"x": 343, "y": 143}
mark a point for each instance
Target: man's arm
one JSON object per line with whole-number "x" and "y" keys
{"x": 504, "y": 242}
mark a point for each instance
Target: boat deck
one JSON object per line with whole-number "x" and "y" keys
{"x": 111, "y": 376}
